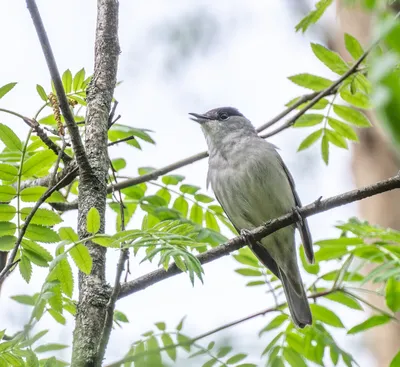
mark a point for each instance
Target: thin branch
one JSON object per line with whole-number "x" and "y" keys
{"x": 330, "y": 90}
{"x": 76, "y": 140}
{"x": 43, "y": 198}
{"x": 218, "y": 329}
{"x": 258, "y": 233}
{"x": 46, "y": 140}
{"x": 123, "y": 258}
{"x": 132, "y": 137}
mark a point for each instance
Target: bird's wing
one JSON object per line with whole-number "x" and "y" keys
{"x": 303, "y": 226}
{"x": 258, "y": 249}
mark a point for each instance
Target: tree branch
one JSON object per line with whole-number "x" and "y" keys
{"x": 218, "y": 329}
{"x": 330, "y": 90}
{"x": 11, "y": 257}
{"x": 258, "y": 233}
{"x": 77, "y": 144}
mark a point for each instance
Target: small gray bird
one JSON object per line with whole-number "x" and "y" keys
{"x": 253, "y": 185}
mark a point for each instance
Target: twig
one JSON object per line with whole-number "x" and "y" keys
{"x": 46, "y": 140}
{"x": 132, "y": 137}
{"x": 330, "y": 90}
{"x": 303, "y": 99}
{"x": 28, "y": 218}
{"x": 216, "y": 330}
{"x": 112, "y": 113}
{"x": 258, "y": 233}
{"x": 76, "y": 140}
{"x": 123, "y": 258}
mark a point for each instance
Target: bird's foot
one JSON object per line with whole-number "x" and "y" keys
{"x": 298, "y": 215}
{"x": 248, "y": 236}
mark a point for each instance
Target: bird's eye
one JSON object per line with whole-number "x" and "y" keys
{"x": 223, "y": 116}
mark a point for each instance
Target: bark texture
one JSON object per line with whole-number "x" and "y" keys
{"x": 373, "y": 159}
{"x": 93, "y": 291}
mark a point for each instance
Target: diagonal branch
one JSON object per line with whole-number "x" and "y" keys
{"x": 258, "y": 233}
{"x": 330, "y": 90}
{"x": 218, "y": 329}
{"x": 76, "y": 140}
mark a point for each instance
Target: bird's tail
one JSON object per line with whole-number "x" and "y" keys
{"x": 298, "y": 304}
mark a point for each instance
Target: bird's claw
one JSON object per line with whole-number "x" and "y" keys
{"x": 248, "y": 236}
{"x": 298, "y": 215}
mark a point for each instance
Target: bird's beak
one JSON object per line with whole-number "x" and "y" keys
{"x": 198, "y": 118}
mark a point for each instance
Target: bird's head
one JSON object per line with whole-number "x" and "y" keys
{"x": 221, "y": 123}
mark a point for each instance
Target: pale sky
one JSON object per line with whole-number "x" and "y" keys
{"x": 252, "y": 51}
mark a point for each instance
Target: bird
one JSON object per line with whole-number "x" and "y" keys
{"x": 253, "y": 185}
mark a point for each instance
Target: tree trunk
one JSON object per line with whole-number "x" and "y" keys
{"x": 94, "y": 293}
{"x": 373, "y": 159}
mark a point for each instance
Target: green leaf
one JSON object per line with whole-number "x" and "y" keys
{"x": 335, "y": 139}
{"x": 93, "y": 220}
{"x": 309, "y": 119}
{"x": 7, "y": 212}
{"x": 68, "y": 234}
{"x": 10, "y": 139}
{"x": 24, "y": 299}
{"x": 351, "y": 115}
{"x": 345, "y": 299}
{"x": 7, "y": 243}
{"x": 78, "y": 80}
{"x": 50, "y": 347}
{"x": 43, "y": 217}
{"x": 165, "y": 194}
{"x": 325, "y": 149}
{"x": 211, "y": 222}
{"x": 63, "y": 272}
{"x": 274, "y": 323}
{"x": 120, "y": 316}
{"x": 36, "y": 253}
{"x": 309, "y": 268}
{"x": 38, "y": 163}
{"x": 246, "y": 258}
{"x": 189, "y": 189}
{"x": 331, "y": 59}
{"x": 310, "y": 140}
{"x": 41, "y": 92}
{"x": 7, "y": 228}
{"x": 34, "y": 193}
{"x": 6, "y": 88}
{"x": 249, "y": 272}
{"x": 310, "y": 81}
{"x": 325, "y": 315}
{"x": 236, "y": 358}
{"x": 357, "y": 99}
{"x": 25, "y": 268}
{"x": 82, "y": 259}
{"x": 161, "y": 326}
{"x": 180, "y": 325}
{"x": 181, "y": 205}
{"x": 8, "y": 172}
{"x": 343, "y": 129}
{"x": 7, "y": 193}
{"x": 353, "y": 46}
{"x": 167, "y": 341}
{"x": 172, "y": 179}
{"x": 313, "y": 16}
{"x": 42, "y": 234}
{"x": 392, "y": 294}
{"x": 203, "y": 198}
{"x": 370, "y": 323}
{"x": 118, "y": 164}
{"x": 293, "y": 358}
{"x": 395, "y": 361}
{"x": 196, "y": 214}
{"x": 223, "y": 351}
{"x": 67, "y": 81}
